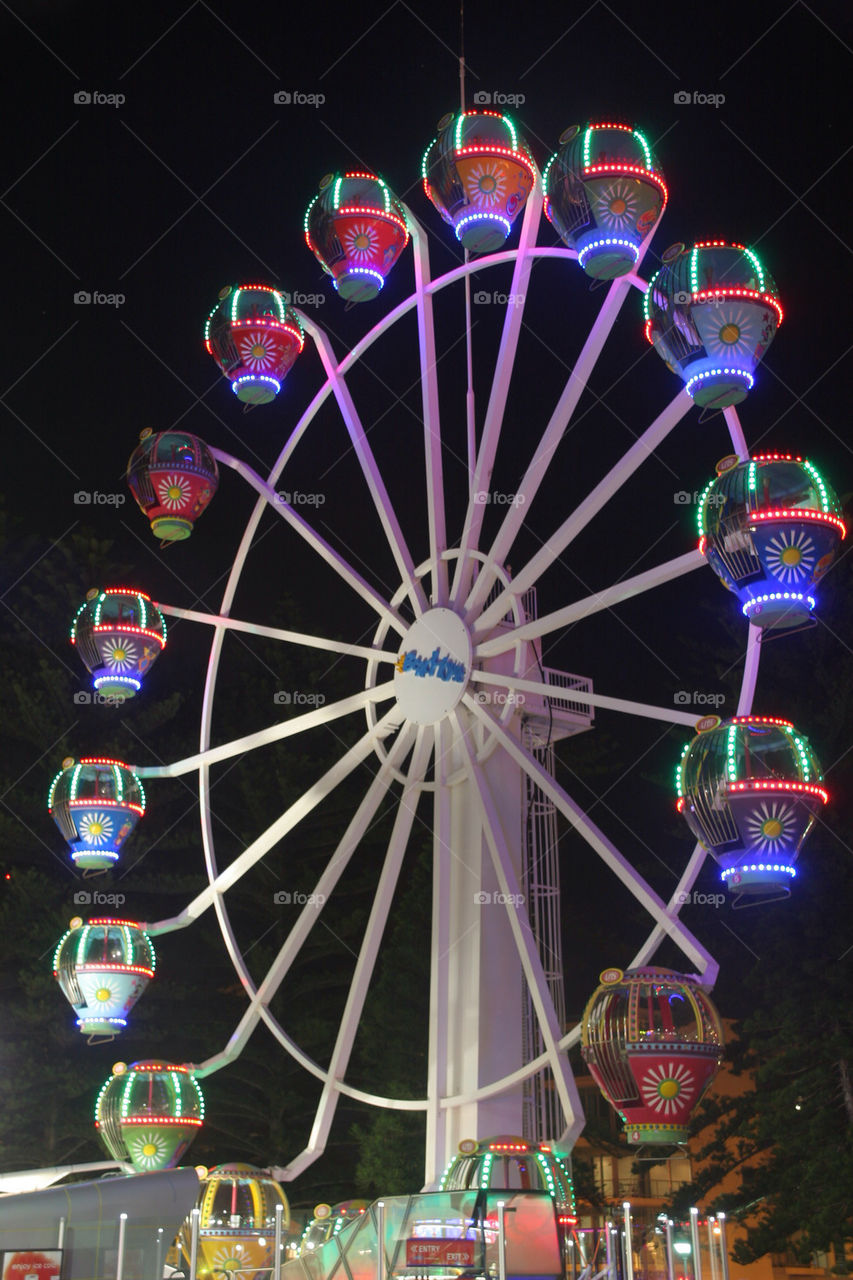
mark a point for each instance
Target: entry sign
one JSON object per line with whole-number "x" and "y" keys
{"x": 422, "y": 1252}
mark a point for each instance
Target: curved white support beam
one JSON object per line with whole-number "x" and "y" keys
{"x": 553, "y": 434}
{"x": 604, "y": 599}
{"x": 522, "y": 934}
{"x": 671, "y": 715}
{"x": 368, "y": 952}
{"x": 750, "y": 670}
{"x": 596, "y": 839}
{"x": 513, "y": 319}
{"x": 436, "y": 518}
{"x": 278, "y": 829}
{"x": 273, "y": 733}
{"x": 640, "y": 450}
{"x": 311, "y": 911}
{"x": 304, "y": 529}
{"x": 277, "y": 633}
{"x": 370, "y": 471}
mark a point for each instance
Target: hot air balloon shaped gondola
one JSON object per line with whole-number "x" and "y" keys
{"x": 509, "y": 1161}
{"x": 254, "y": 336}
{"x": 604, "y": 193}
{"x": 711, "y": 313}
{"x": 173, "y": 476}
{"x": 96, "y": 803}
{"x": 103, "y": 967}
{"x": 118, "y": 633}
{"x": 770, "y": 527}
{"x": 653, "y": 1041}
{"x": 237, "y": 1222}
{"x": 148, "y": 1114}
{"x": 356, "y": 228}
{"x": 750, "y": 790}
{"x": 478, "y": 172}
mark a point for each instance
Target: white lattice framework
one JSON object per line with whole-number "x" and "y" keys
{"x": 461, "y": 760}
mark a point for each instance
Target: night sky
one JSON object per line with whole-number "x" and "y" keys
{"x": 147, "y": 164}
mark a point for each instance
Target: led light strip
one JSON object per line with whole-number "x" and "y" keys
{"x": 752, "y": 605}
{"x": 800, "y": 513}
{"x": 713, "y": 373}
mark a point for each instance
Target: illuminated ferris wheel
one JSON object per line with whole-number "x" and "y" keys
{"x": 460, "y": 712}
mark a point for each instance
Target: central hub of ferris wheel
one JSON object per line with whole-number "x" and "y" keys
{"x": 434, "y": 666}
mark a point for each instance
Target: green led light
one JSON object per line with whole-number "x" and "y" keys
{"x": 646, "y": 148}
{"x": 647, "y": 296}
{"x": 703, "y": 500}
{"x": 694, "y": 270}
{"x": 750, "y": 477}
{"x": 819, "y": 481}
{"x": 759, "y": 270}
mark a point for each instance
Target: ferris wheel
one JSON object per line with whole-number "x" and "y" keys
{"x": 460, "y": 712}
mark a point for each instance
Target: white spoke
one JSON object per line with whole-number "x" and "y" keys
{"x": 522, "y": 934}
{"x": 439, "y": 957}
{"x": 375, "y": 483}
{"x": 367, "y": 957}
{"x": 432, "y": 421}
{"x": 607, "y": 851}
{"x": 560, "y": 418}
{"x": 278, "y": 829}
{"x": 500, "y": 388}
{"x": 590, "y": 604}
{"x": 277, "y": 633}
{"x": 643, "y": 447}
{"x": 273, "y": 733}
{"x": 310, "y": 913}
{"x": 333, "y": 558}
{"x": 738, "y": 439}
{"x": 750, "y": 672}
{"x": 670, "y": 714}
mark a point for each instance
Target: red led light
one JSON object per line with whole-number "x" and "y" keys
{"x": 102, "y": 760}
{"x": 775, "y": 457}
{"x": 786, "y": 724}
{"x": 800, "y": 513}
{"x": 126, "y": 629}
{"x": 113, "y": 968}
{"x": 619, "y": 166}
{"x": 738, "y": 292}
{"x": 624, "y": 128}
{"x": 760, "y": 784}
{"x": 131, "y": 924}
{"x": 680, "y": 804}
{"x": 703, "y": 542}
{"x": 156, "y": 1121}
{"x": 104, "y": 804}
{"x": 125, "y": 591}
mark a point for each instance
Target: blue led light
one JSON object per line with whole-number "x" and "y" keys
{"x": 363, "y": 271}
{"x": 605, "y": 242}
{"x": 483, "y": 217}
{"x": 758, "y": 866}
{"x": 250, "y": 379}
{"x": 129, "y": 680}
{"x": 716, "y": 373}
{"x": 795, "y": 596}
